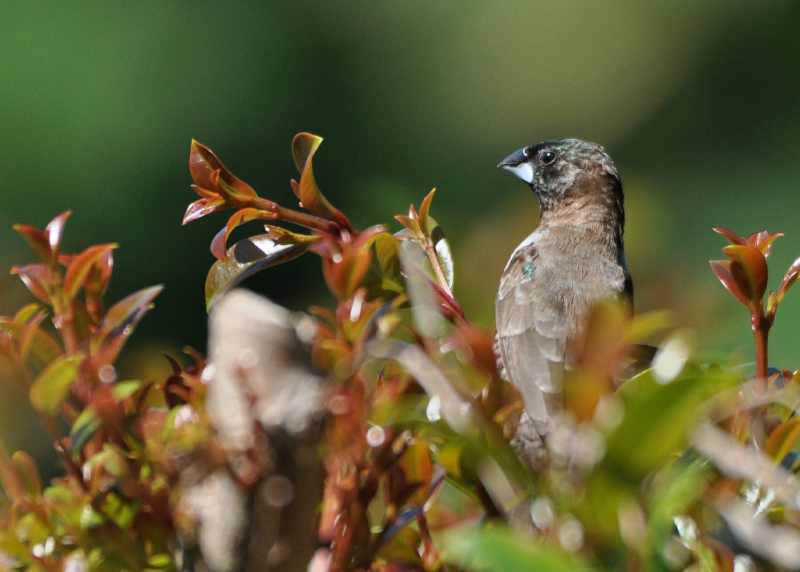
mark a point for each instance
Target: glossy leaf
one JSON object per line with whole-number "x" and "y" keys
{"x": 52, "y": 385}
{"x": 729, "y": 234}
{"x": 36, "y": 239}
{"x": 425, "y": 208}
{"x": 210, "y": 174}
{"x": 749, "y": 269}
{"x": 722, "y": 270}
{"x": 202, "y": 207}
{"x": 304, "y": 147}
{"x": 120, "y": 321}
{"x": 244, "y": 259}
{"x": 38, "y": 278}
{"x": 219, "y": 244}
{"x": 786, "y": 283}
{"x": 763, "y": 241}
{"x": 55, "y": 231}
{"x": 80, "y": 267}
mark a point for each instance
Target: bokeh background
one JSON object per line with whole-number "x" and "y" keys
{"x": 696, "y": 101}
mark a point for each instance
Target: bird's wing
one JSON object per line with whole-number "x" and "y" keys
{"x": 531, "y": 335}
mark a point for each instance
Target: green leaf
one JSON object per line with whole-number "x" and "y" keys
{"x": 498, "y": 549}
{"x": 658, "y": 417}
{"x": 124, "y": 389}
{"x": 244, "y": 259}
{"x": 84, "y": 428}
{"x": 52, "y": 385}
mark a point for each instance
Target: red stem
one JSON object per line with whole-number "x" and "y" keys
{"x": 761, "y": 325}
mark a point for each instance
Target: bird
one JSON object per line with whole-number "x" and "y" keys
{"x": 573, "y": 259}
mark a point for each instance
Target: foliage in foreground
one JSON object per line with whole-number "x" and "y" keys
{"x": 687, "y": 465}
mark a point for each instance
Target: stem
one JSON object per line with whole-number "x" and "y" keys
{"x": 761, "y": 325}
{"x": 297, "y": 217}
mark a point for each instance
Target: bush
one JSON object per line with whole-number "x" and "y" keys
{"x": 390, "y": 406}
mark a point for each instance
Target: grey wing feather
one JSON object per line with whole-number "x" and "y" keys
{"x": 531, "y": 337}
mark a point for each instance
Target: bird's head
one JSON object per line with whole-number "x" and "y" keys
{"x": 553, "y": 169}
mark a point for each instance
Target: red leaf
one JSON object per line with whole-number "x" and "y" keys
{"x": 202, "y": 207}
{"x": 729, "y": 234}
{"x": 219, "y": 245}
{"x": 763, "y": 240}
{"x": 722, "y": 269}
{"x": 119, "y": 322}
{"x": 304, "y": 146}
{"x": 38, "y": 278}
{"x": 81, "y": 265}
{"x": 36, "y": 239}
{"x": 55, "y": 230}
{"x": 788, "y": 281}
{"x": 749, "y": 269}
{"x": 210, "y": 173}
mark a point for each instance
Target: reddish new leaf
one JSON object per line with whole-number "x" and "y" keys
{"x": 202, "y": 207}
{"x": 219, "y": 245}
{"x": 284, "y": 236}
{"x": 80, "y": 267}
{"x": 722, "y": 269}
{"x": 120, "y": 321}
{"x": 425, "y": 208}
{"x": 209, "y": 173}
{"x": 55, "y": 230}
{"x": 763, "y": 240}
{"x": 749, "y": 269}
{"x": 729, "y": 234}
{"x": 36, "y": 239}
{"x": 38, "y": 278}
{"x": 304, "y": 146}
{"x": 788, "y": 281}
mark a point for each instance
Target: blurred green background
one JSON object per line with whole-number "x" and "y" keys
{"x": 696, "y": 101}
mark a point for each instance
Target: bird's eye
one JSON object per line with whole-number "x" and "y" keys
{"x": 526, "y": 152}
{"x": 547, "y": 157}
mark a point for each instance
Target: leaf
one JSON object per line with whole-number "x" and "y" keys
{"x": 26, "y": 467}
{"x": 749, "y": 269}
{"x": 83, "y": 429}
{"x": 786, "y": 283}
{"x": 763, "y": 241}
{"x": 425, "y": 208}
{"x": 28, "y": 334}
{"x": 55, "y": 231}
{"x": 81, "y": 265}
{"x": 52, "y": 385}
{"x": 219, "y": 244}
{"x": 124, "y": 389}
{"x": 722, "y": 270}
{"x": 120, "y": 321}
{"x": 658, "y": 417}
{"x": 284, "y": 236}
{"x": 783, "y": 439}
{"x": 498, "y": 549}
{"x": 304, "y": 146}
{"x": 38, "y": 278}
{"x": 202, "y": 207}
{"x": 244, "y": 259}
{"x": 729, "y": 234}
{"x": 209, "y": 173}
{"x": 27, "y": 312}
{"x": 36, "y": 239}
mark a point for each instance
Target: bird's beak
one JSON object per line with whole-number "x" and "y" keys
{"x": 518, "y": 164}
